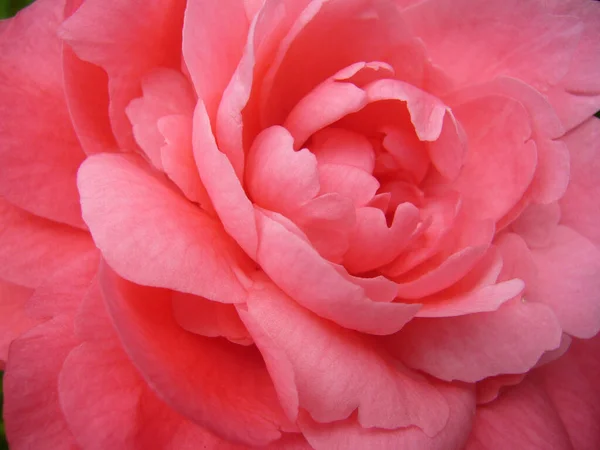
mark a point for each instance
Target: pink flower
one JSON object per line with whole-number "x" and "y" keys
{"x": 295, "y": 224}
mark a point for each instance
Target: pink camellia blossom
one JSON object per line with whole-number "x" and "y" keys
{"x": 301, "y": 224}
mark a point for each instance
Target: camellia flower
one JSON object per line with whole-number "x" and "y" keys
{"x": 295, "y": 224}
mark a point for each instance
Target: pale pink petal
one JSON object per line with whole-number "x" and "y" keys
{"x": 348, "y": 434}
{"x": 522, "y": 417}
{"x": 568, "y": 280}
{"x": 202, "y": 33}
{"x": 515, "y": 38}
{"x": 407, "y": 151}
{"x": 219, "y": 385}
{"x": 13, "y": 318}
{"x": 32, "y": 412}
{"x": 278, "y": 177}
{"x": 40, "y": 153}
{"x": 313, "y": 282}
{"x": 222, "y": 184}
{"x": 440, "y": 214}
{"x": 348, "y": 181}
{"x": 97, "y": 32}
{"x": 580, "y": 207}
{"x": 373, "y": 243}
{"x": 211, "y": 319}
{"x": 177, "y": 158}
{"x": 426, "y": 111}
{"x": 150, "y": 234}
{"x": 324, "y": 105}
{"x": 485, "y": 299}
{"x": 165, "y": 92}
{"x": 445, "y": 275}
{"x": 33, "y": 248}
{"x": 340, "y": 146}
{"x": 571, "y": 382}
{"x": 502, "y": 158}
{"x": 327, "y": 221}
{"x": 472, "y": 347}
{"x": 341, "y": 372}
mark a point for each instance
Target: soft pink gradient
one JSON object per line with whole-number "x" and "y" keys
{"x": 295, "y": 224}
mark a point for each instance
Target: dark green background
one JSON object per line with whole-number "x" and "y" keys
{"x": 7, "y": 9}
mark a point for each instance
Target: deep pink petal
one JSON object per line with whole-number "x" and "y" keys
{"x": 150, "y": 234}
{"x": 315, "y": 283}
{"x": 472, "y": 347}
{"x": 33, "y": 248}
{"x": 152, "y": 30}
{"x": 40, "y": 153}
{"x": 571, "y": 382}
{"x": 13, "y": 317}
{"x": 219, "y": 385}
{"x": 523, "y": 417}
{"x": 32, "y": 413}
{"x": 341, "y": 372}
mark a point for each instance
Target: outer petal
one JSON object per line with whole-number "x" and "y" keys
{"x": 150, "y": 234}
{"x": 524, "y": 418}
{"x": 515, "y": 38}
{"x": 568, "y": 280}
{"x": 115, "y": 397}
{"x": 151, "y": 29}
{"x": 31, "y": 409}
{"x": 572, "y": 384}
{"x": 580, "y": 208}
{"x": 39, "y": 153}
{"x": 33, "y": 248}
{"x": 577, "y": 96}
{"x": 13, "y": 318}
{"x": 222, "y": 386}
{"x": 502, "y": 159}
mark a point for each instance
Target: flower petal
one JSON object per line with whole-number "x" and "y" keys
{"x": 150, "y": 234}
